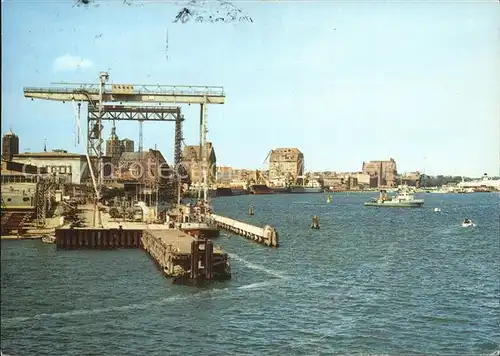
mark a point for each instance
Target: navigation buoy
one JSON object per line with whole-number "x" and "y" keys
{"x": 315, "y": 222}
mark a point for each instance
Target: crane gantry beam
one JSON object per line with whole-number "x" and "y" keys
{"x": 177, "y": 94}
{"x": 134, "y": 113}
{"x": 97, "y": 95}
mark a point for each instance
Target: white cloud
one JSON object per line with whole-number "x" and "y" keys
{"x": 69, "y": 62}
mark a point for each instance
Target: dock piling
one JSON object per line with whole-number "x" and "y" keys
{"x": 315, "y": 222}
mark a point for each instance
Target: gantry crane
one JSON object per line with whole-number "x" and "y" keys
{"x": 98, "y": 95}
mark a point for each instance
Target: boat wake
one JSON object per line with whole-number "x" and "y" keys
{"x": 256, "y": 285}
{"x": 257, "y": 267}
{"x": 141, "y": 306}
{"x": 135, "y": 306}
{"x": 9, "y": 322}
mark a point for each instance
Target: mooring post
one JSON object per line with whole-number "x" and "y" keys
{"x": 250, "y": 210}
{"x": 315, "y": 222}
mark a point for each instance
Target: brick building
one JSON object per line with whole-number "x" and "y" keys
{"x": 150, "y": 167}
{"x": 382, "y": 173}
{"x": 115, "y": 147}
{"x": 192, "y": 161}
{"x": 10, "y": 145}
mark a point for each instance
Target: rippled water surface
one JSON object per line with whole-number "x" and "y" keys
{"x": 380, "y": 281}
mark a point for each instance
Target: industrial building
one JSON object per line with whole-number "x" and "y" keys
{"x": 285, "y": 163}
{"x": 68, "y": 167}
{"x": 14, "y": 172}
{"x": 382, "y": 173}
{"x": 224, "y": 174}
{"x": 192, "y": 161}
{"x": 10, "y": 145}
{"x": 115, "y": 147}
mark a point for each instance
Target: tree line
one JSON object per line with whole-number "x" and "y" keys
{"x": 440, "y": 180}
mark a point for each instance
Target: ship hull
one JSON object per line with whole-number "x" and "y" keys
{"x": 413, "y": 204}
{"x": 260, "y": 189}
{"x": 305, "y": 190}
{"x": 238, "y": 191}
{"x": 281, "y": 190}
{"x": 221, "y": 192}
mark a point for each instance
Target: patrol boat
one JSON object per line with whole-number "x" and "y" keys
{"x": 403, "y": 199}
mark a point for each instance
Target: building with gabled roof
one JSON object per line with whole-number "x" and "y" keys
{"x": 285, "y": 164}
{"x": 192, "y": 161}
{"x": 149, "y": 166}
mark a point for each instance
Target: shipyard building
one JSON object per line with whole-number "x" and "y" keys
{"x": 70, "y": 168}
{"x": 285, "y": 164}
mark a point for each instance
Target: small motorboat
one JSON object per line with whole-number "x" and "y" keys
{"x": 468, "y": 223}
{"x": 329, "y": 199}
{"x": 49, "y": 239}
{"x": 437, "y": 210}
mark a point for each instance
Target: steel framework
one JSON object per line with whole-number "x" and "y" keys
{"x": 98, "y": 94}
{"x": 140, "y": 93}
{"x": 134, "y": 113}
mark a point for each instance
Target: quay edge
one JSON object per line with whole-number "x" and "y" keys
{"x": 178, "y": 255}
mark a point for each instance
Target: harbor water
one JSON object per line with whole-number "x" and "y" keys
{"x": 369, "y": 281}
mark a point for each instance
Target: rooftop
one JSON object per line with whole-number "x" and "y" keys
{"x": 48, "y": 154}
{"x": 10, "y": 133}
{"x": 193, "y": 151}
{"x": 136, "y": 156}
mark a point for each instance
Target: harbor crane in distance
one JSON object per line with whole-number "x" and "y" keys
{"x": 99, "y": 95}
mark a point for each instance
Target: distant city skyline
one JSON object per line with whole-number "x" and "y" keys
{"x": 342, "y": 82}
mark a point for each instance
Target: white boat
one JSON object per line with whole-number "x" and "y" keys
{"x": 437, "y": 210}
{"x": 49, "y": 239}
{"x": 403, "y": 199}
{"x": 468, "y": 223}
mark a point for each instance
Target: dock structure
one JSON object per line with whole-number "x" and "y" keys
{"x": 184, "y": 257}
{"x": 267, "y": 235}
{"x": 92, "y": 238}
{"x": 176, "y": 253}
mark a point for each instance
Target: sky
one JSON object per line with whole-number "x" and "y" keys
{"x": 344, "y": 82}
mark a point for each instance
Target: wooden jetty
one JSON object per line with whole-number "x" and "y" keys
{"x": 267, "y": 235}
{"x": 176, "y": 253}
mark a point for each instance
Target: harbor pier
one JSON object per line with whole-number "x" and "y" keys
{"x": 184, "y": 257}
{"x": 267, "y": 235}
{"x": 176, "y": 253}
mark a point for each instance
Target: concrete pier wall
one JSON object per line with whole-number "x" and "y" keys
{"x": 176, "y": 253}
{"x": 97, "y": 238}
